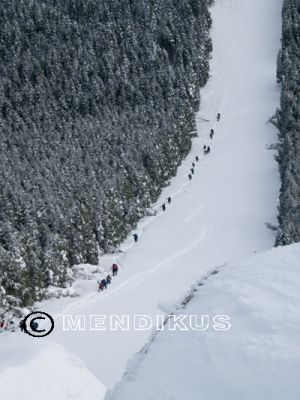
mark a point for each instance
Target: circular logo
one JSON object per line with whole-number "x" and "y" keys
{"x": 31, "y": 324}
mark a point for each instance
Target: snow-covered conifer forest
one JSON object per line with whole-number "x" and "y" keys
{"x": 97, "y": 110}
{"x": 287, "y": 120}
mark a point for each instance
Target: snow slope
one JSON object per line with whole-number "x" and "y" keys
{"x": 258, "y": 358}
{"x": 44, "y": 370}
{"x": 218, "y": 217}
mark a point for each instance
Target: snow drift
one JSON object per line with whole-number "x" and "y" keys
{"x": 258, "y": 358}
{"x": 39, "y": 369}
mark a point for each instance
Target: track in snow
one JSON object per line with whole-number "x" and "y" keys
{"x": 217, "y": 217}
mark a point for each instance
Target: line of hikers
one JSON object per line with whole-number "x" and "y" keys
{"x": 192, "y": 170}
{"x": 169, "y": 201}
{"x": 107, "y": 281}
{"x": 206, "y": 150}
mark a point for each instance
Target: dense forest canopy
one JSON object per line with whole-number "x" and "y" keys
{"x": 97, "y": 109}
{"x": 288, "y": 121}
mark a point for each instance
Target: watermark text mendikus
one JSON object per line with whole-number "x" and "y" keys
{"x": 138, "y": 322}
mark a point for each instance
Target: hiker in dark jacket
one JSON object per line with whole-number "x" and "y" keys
{"x": 135, "y": 237}
{"x": 197, "y": 158}
{"x": 169, "y": 200}
{"x": 190, "y": 177}
{"x": 114, "y": 268}
{"x": 218, "y": 117}
{"x": 108, "y": 279}
{"x": 163, "y": 207}
{"x": 22, "y": 325}
{"x": 212, "y": 132}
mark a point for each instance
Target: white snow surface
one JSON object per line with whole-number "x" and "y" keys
{"x": 216, "y": 218}
{"x": 43, "y": 370}
{"x": 257, "y": 358}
